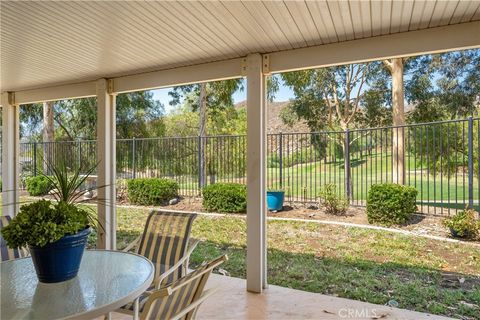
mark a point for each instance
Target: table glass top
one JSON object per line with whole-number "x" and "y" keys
{"x": 106, "y": 278}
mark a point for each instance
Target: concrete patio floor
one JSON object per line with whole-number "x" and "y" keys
{"x": 278, "y": 303}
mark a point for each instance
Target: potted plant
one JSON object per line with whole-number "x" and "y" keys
{"x": 275, "y": 198}
{"x": 56, "y": 231}
{"x": 463, "y": 224}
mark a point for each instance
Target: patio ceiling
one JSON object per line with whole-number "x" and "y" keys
{"x": 51, "y": 43}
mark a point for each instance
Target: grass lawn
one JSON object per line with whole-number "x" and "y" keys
{"x": 368, "y": 265}
{"x": 304, "y": 181}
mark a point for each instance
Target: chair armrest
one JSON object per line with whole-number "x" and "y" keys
{"x": 177, "y": 265}
{"x": 195, "y": 305}
{"x": 132, "y": 244}
{"x": 188, "y": 254}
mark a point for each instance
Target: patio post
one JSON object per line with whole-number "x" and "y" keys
{"x": 106, "y": 171}
{"x": 10, "y": 154}
{"x": 256, "y": 175}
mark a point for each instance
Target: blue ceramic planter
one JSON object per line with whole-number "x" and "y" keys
{"x": 275, "y": 200}
{"x": 60, "y": 260}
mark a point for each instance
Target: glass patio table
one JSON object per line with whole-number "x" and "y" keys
{"x": 106, "y": 281}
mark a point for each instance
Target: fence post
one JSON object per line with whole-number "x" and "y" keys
{"x": 134, "y": 169}
{"x": 280, "y": 159}
{"x": 34, "y": 158}
{"x": 79, "y": 153}
{"x": 346, "y": 157}
{"x": 199, "y": 163}
{"x": 470, "y": 162}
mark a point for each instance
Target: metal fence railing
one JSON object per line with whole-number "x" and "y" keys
{"x": 440, "y": 159}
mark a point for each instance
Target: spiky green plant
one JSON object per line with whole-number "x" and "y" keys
{"x": 66, "y": 183}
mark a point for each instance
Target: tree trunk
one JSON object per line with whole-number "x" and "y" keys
{"x": 48, "y": 135}
{"x": 201, "y": 133}
{"x": 398, "y": 135}
{"x": 344, "y": 142}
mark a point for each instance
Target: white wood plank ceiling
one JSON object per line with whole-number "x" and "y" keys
{"x": 46, "y": 43}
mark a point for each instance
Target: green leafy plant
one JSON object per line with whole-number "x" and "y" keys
{"x": 44, "y": 221}
{"x": 463, "y": 224}
{"x": 390, "y": 203}
{"x": 333, "y": 203}
{"x": 225, "y": 197}
{"x": 151, "y": 191}
{"x": 38, "y": 185}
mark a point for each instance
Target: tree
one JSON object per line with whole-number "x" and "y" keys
{"x": 138, "y": 115}
{"x": 330, "y": 97}
{"x": 443, "y": 86}
{"x": 395, "y": 66}
{"x": 30, "y": 120}
{"x": 48, "y": 134}
{"x": 205, "y": 98}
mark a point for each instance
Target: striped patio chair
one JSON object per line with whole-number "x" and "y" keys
{"x": 166, "y": 242}
{"x": 183, "y": 297}
{"x": 6, "y": 252}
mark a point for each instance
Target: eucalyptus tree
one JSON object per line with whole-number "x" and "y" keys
{"x": 331, "y": 98}
{"x": 206, "y": 99}
{"x": 138, "y": 115}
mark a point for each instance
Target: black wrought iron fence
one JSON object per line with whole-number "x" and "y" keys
{"x": 440, "y": 159}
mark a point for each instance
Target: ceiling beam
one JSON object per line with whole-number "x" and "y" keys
{"x": 67, "y": 91}
{"x": 406, "y": 44}
{"x": 213, "y": 71}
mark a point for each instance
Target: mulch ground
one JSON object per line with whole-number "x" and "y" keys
{"x": 419, "y": 224}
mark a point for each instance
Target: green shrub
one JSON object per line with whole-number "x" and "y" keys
{"x": 38, "y": 185}
{"x": 463, "y": 224}
{"x": 390, "y": 203}
{"x": 225, "y": 197}
{"x": 333, "y": 203}
{"x": 151, "y": 191}
{"x": 43, "y": 222}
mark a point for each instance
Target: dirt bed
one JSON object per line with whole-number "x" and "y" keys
{"x": 419, "y": 224}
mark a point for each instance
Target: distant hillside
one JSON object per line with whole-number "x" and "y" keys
{"x": 274, "y": 122}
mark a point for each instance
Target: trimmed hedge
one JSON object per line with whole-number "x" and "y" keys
{"x": 38, "y": 185}
{"x": 151, "y": 191}
{"x": 390, "y": 203}
{"x": 225, "y": 197}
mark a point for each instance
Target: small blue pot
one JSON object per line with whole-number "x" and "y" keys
{"x": 60, "y": 260}
{"x": 275, "y": 200}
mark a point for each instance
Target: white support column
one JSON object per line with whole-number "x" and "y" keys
{"x": 256, "y": 175}
{"x": 10, "y": 155}
{"x": 106, "y": 146}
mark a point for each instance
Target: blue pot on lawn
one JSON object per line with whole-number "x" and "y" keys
{"x": 275, "y": 200}
{"x": 60, "y": 260}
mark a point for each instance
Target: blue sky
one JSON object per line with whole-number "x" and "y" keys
{"x": 284, "y": 93}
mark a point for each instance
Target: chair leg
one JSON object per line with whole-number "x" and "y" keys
{"x": 135, "y": 310}
{"x": 108, "y": 316}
